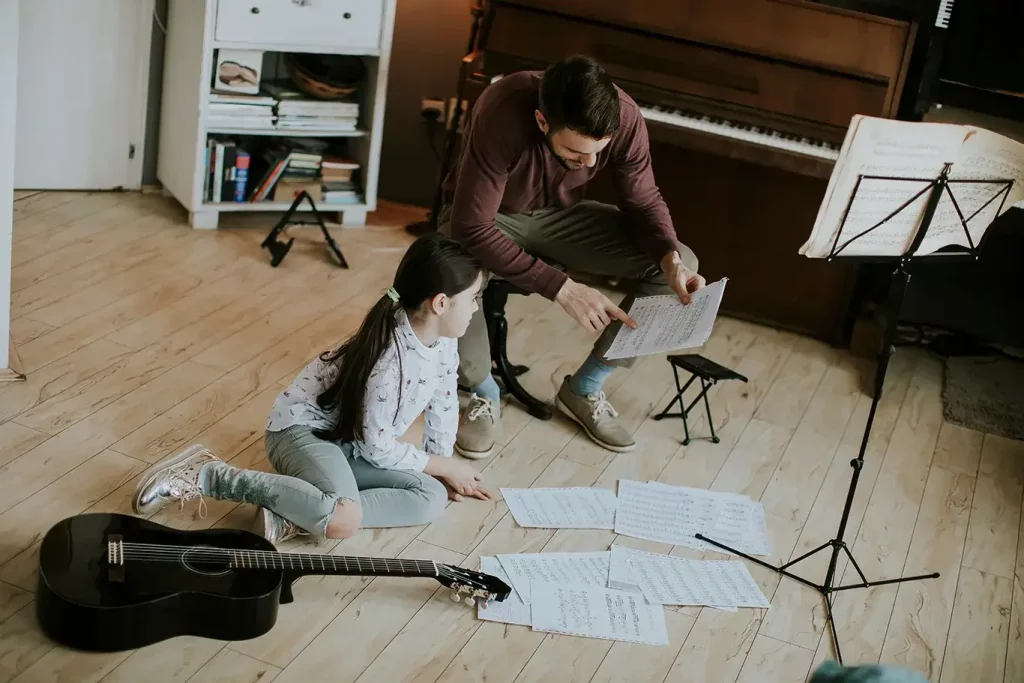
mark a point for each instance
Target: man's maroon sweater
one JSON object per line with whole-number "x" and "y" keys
{"x": 507, "y": 167}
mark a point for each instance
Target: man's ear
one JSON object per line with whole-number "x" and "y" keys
{"x": 542, "y": 122}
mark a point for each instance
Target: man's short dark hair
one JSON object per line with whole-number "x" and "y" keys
{"x": 577, "y": 93}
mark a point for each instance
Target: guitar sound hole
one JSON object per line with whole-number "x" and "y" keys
{"x": 197, "y": 560}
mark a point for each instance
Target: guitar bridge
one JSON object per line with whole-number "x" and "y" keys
{"x": 115, "y": 558}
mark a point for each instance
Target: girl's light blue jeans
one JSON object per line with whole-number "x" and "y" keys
{"x": 313, "y": 475}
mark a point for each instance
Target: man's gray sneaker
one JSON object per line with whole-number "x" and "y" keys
{"x": 597, "y": 417}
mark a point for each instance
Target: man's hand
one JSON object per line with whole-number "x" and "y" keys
{"x": 589, "y": 307}
{"x": 681, "y": 279}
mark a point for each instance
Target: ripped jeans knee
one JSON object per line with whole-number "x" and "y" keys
{"x": 345, "y": 519}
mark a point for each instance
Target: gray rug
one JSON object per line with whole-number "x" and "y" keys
{"x": 985, "y": 393}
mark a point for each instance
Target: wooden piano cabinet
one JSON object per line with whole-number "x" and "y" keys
{"x": 747, "y": 222}
{"x": 799, "y": 31}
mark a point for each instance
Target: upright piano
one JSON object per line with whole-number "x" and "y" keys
{"x": 747, "y": 103}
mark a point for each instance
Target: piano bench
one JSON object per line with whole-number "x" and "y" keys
{"x": 495, "y": 297}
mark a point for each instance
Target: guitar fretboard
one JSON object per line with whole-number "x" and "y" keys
{"x": 331, "y": 564}
{"x": 262, "y": 559}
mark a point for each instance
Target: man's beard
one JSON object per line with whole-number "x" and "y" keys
{"x": 566, "y": 164}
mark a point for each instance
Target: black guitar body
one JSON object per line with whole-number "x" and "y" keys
{"x": 87, "y": 602}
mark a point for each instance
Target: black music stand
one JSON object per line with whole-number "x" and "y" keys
{"x": 278, "y": 249}
{"x": 897, "y": 288}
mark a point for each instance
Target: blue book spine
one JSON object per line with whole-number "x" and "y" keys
{"x": 241, "y": 175}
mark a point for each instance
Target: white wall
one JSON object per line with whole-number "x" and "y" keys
{"x": 8, "y": 109}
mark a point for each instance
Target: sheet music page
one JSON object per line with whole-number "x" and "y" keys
{"x": 597, "y": 612}
{"x": 573, "y": 568}
{"x": 562, "y": 508}
{"x": 667, "y": 580}
{"x": 666, "y": 324}
{"x": 675, "y": 514}
{"x": 882, "y": 147}
{"x": 621, "y": 577}
{"x": 620, "y": 574}
{"x": 512, "y": 610}
{"x": 984, "y": 156}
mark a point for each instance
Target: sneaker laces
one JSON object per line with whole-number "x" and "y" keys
{"x": 601, "y": 406}
{"x": 183, "y": 483}
{"x": 480, "y": 406}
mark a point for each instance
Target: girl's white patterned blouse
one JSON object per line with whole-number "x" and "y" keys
{"x": 427, "y": 384}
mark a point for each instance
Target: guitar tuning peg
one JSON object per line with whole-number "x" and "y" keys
{"x": 454, "y": 595}
{"x": 470, "y": 602}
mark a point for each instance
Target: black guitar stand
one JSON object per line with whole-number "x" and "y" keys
{"x": 709, "y": 373}
{"x": 897, "y": 288}
{"x": 278, "y": 249}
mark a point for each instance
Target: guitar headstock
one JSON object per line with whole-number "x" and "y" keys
{"x": 474, "y": 585}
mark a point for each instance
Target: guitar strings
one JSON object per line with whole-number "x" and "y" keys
{"x": 134, "y": 551}
{"x": 160, "y": 552}
{"x": 271, "y": 560}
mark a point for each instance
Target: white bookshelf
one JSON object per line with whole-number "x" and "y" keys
{"x": 197, "y": 28}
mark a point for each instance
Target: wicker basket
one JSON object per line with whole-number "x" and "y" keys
{"x": 325, "y": 77}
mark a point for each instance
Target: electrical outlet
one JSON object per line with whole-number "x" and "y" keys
{"x": 451, "y": 114}
{"x": 433, "y": 108}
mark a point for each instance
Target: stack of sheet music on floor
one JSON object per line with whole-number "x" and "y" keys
{"x": 620, "y": 593}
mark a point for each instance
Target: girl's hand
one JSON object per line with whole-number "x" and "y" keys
{"x": 460, "y": 478}
{"x": 479, "y": 492}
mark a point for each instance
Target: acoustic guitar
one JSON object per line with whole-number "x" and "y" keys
{"x": 111, "y": 582}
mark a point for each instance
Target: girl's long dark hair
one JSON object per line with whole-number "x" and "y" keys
{"x": 432, "y": 265}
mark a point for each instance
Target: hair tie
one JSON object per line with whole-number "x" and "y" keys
{"x": 392, "y": 294}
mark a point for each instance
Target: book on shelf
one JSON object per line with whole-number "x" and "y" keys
{"x": 296, "y": 110}
{"x": 240, "y": 111}
{"x": 281, "y": 107}
{"x": 227, "y": 172}
{"x": 277, "y": 170}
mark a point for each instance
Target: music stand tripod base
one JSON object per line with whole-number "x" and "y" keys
{"x": 709, "y": 373}
{"x": 934, "y": 190}
{"x": 278, "y": 249}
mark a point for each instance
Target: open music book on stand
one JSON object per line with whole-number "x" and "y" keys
{"x": 899, "y": 193}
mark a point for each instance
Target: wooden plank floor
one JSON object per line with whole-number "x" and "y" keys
{"x": 141, "y": 336}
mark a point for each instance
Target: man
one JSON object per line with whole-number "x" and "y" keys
{"x": 534, "y": 140}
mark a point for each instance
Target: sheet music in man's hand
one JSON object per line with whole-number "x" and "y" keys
{"x": 666, "y": 324}
{"x": 905, "y": 149}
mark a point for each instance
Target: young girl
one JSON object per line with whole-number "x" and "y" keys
{"x": 332, "y": 435}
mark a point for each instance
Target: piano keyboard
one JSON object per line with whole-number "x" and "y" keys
{"x": 945, "y": 12}
{"x": 739, "y": 130}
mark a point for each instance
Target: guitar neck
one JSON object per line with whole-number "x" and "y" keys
{"x": 306, "y": 563}
{"x": 295, "y": 563}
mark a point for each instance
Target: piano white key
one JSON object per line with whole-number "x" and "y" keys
{"x": 944, "y": 13}
{"x": 741, "y": 131}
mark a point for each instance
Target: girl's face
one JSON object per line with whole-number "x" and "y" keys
{"x": 456, "y": 311}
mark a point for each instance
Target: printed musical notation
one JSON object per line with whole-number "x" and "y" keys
{"x": 597, "y": 612}
{"x": 907, "y": 155}
{"x": 568, "y": 568}
{"x": 667, "y": 580}
{"x": 666, "y": 324}
{"x": 562, "y": 508}
{"x": 676, "y": 514}
{"x": 512, "y": 610}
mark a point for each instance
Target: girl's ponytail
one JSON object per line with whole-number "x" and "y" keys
{"x": 355, "y": 360}
{"x": 432, "y": 265}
